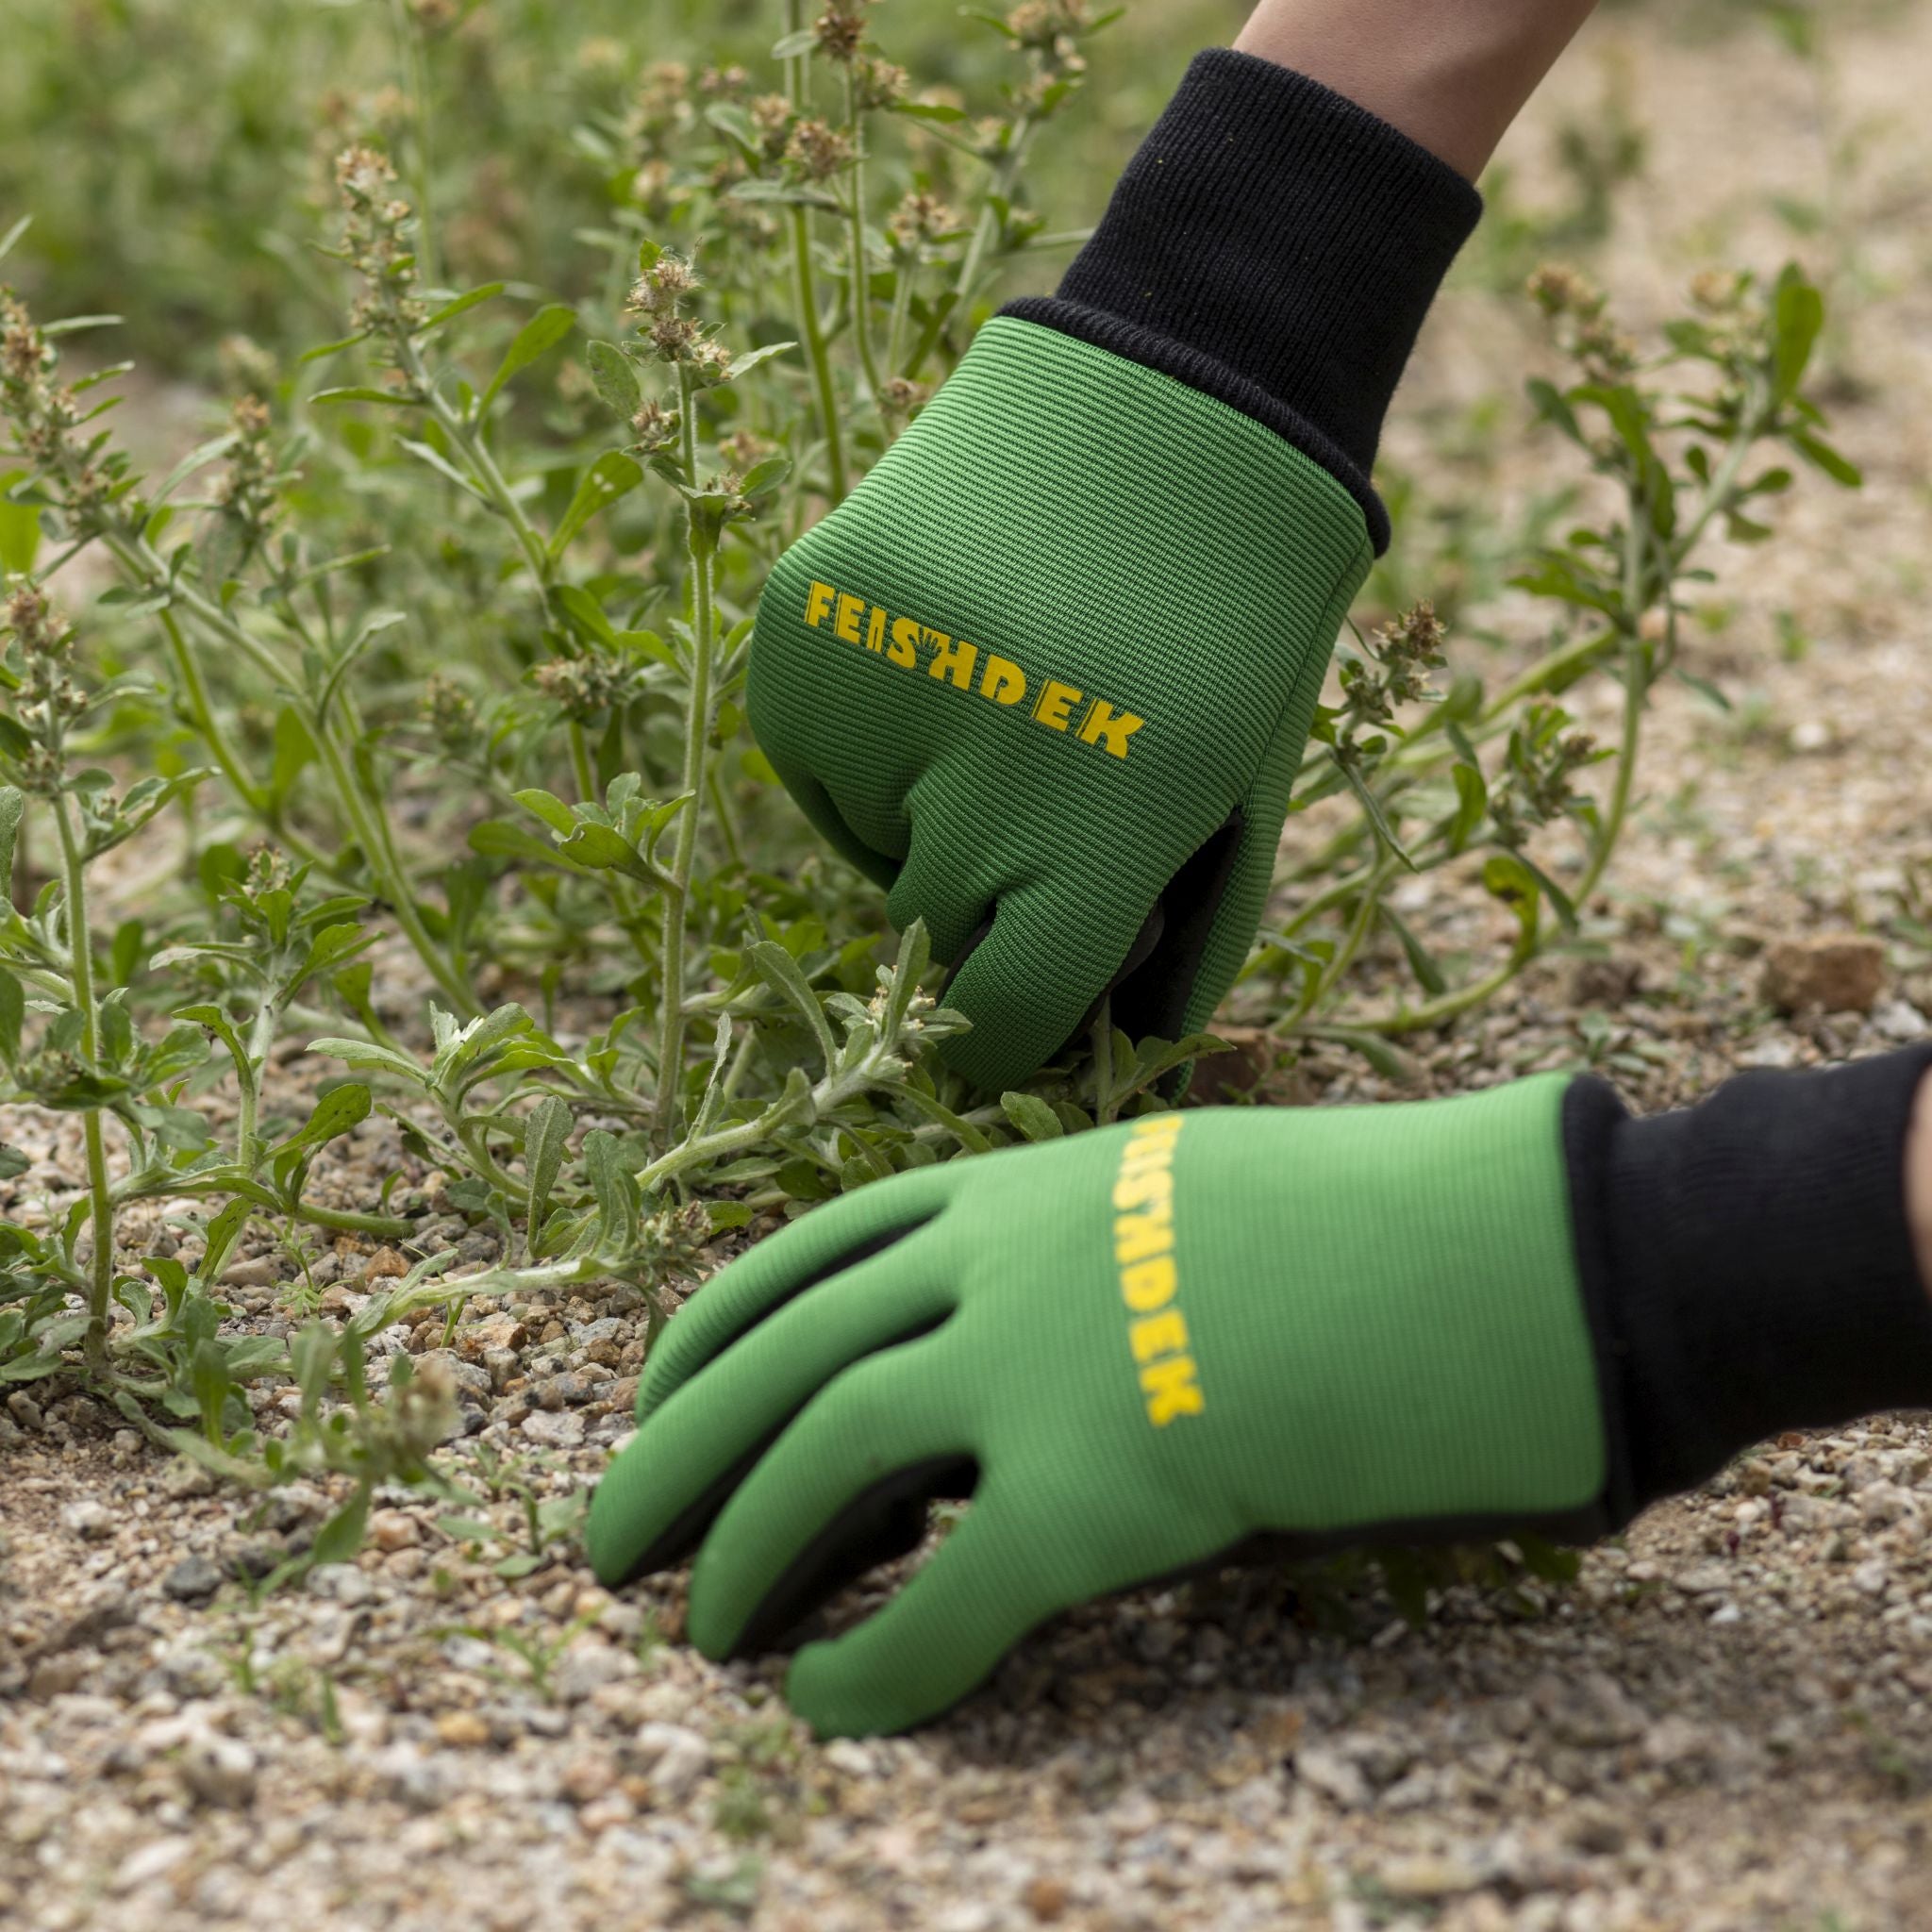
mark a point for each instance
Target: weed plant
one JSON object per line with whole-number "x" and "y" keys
{"x": 403, "y": 730}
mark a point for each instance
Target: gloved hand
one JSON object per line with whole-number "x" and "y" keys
{"x": 1137, "y": 1348}
{"x": 1051, "y": 666}
{"x": 1047, "y": 673}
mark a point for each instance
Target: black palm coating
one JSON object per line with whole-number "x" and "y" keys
{"x": 688, "y": 1529}
{"x": 879, "y": 1526}
{"x": 1149, "y": 998}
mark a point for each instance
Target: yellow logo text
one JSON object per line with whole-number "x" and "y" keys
{"x": 1143, "y": 1252}
{"x": 911, "y": 644}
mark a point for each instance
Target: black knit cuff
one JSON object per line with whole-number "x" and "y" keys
{"x": 1748, "y": 1264}
{"x": 1276, "y": 247}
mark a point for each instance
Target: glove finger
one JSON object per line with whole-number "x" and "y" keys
{"x": 761, "y": 1281}
{"x": 663, "y": 1490}
{"x": 949, "y": 879}
{"x": 831, "y": 825}
{"x": 886, "y": 1430}
{"x": 1030, "y": 983}
{"x": 935, "y": 1643}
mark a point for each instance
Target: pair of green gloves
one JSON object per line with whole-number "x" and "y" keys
{"x": 1047, "y": 675}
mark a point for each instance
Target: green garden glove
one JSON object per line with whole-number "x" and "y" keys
{"x": 1051, "y": 667}
{"x": 1137, "y": 1348}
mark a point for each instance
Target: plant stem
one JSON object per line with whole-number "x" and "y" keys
{"x": 101, "y": 1197}
{"x": 702, "y": 544}
{"x": 804, "y": 299}
{"x": 860, "y": 277}
{"x": 366, "y": 824}
{"x": 411, "y": 45}
{"x": 804, "y": 295}
{"x": 580, "y": 764}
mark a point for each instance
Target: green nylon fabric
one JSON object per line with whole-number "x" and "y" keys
{"x": 1380, "y": 1307}
{"x": 1089, "y": 522}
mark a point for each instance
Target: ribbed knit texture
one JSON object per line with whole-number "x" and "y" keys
{"x": 1749, "y": 1263}
{"x": 1377, "y": 1309}
{"x": 1275, "y": 246}
{"x": 1127, "y": 548}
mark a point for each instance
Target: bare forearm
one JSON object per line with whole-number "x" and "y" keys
{"x": 1451, "y": 74}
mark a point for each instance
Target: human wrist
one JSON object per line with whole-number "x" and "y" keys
{"x": 1276, "y": 247}
{"x": 1452, "y": 75}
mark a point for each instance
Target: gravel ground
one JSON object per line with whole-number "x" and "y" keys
{"x": 1724, "y": 1722}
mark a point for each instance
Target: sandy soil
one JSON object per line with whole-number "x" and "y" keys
{"x": 1724, "y": 1725}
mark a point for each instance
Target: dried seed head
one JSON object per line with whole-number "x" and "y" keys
{"x": 712, "y": 361}
{"x": 920, "y": 217}
{"x": 1045, "y": 23}
{"x": 770, "y": 117}
{"x": 39, "y": 628}
{"x": 650, "y": 187}
{"x": 1720, "y": 291}
{"x": 724, "y": 83}
{"x": 877, "y": 83}
{"x": 742, "y": 449}
{"x": 899, "y": 397}
{"x": 269, "y": 871}
{"x": 662, "y": 286}
{"x": 664, "y": 87}
{"x": 363, "y": 174}
{"x": 601, "y": 53}
{"x": 581, "y": 688}
{"x": 435, "y": 16}
{"x": 840, "y": 31}
{"x": 450, "y": 712}
{"x": 245, "y": 365}
{"x": 655, "y": 428}
{"x": 817, "y": 151}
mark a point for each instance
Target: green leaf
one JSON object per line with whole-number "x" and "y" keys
{"x": 543, "y": 330}
{"x": 616, "y": 380}
{"x": 1472, "y": 802}
{"x": 743, "y": 364}
{"x": 366, "y": 1053}
{"x": 616, "y": 1191}
{"x": 13, "y": 1016}
{"x": 1031, "y": 1116}
{"x": 499, "y": 839}
{"x": 450, "y": 311}
{"x": 543, "y": 1144}
{"x": 12, "y": 807}
{"x": 1821, "y": 456}
{"x": 613, "y": 475}
{"x": 20, "y": 529}
{"x": 780, "y": 972}
{"x": 424, "y": 453}
{"x": 322, "y": 350}
{"x": 217, "y": 1022}
{"x": 222, "y": 1233}
{"x": 790, "y": 45}
{"x": 1506, "y": 877}
{"x": 1797, "y": 315}
{"x": 334, "y": 1114}
{"x": 340, "y": 1537}
{"x": 14, "y": 235}
{"x": 1420, "y": 961}
{"x": 360, "y": 394}
{"x": 549, "y": 807}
